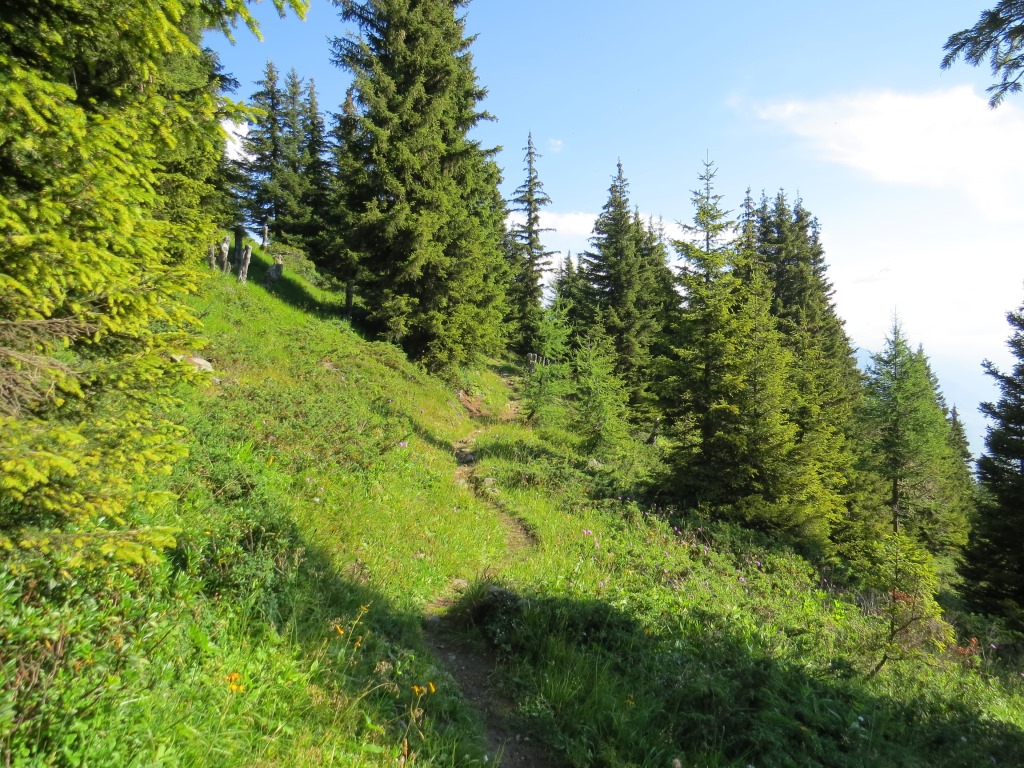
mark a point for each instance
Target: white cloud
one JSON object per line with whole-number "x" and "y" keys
{"x": 236, "y": 132}
{"x": 948, "y": 140}
{"x": 556, "y": 145}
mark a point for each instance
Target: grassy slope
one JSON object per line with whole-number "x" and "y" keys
{"x": 320, "y": 517}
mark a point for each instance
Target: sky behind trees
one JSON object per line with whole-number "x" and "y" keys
{"x": 910, "y": 174}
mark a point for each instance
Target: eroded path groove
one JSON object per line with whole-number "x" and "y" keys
{"x": 471, "y": 664}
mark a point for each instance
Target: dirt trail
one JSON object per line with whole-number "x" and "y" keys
{"x": 471, "y": 665}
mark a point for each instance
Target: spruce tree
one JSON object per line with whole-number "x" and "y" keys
{"x": 911, "y": 448}
{"x": 623, "y": 277}
{"x": 264, "y": 152}
{"x": 529, "y": 259}
{"x": 289, "y": 183}
{"x": 428, "y": 220}
{"x": 316, "y": 193}
{"x": 110, "y": 134}
{"x": 731, "y": 398}
{"x": 995, "y": 562}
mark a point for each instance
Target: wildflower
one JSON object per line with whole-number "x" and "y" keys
{"x": 403, "y": 444}
{"x": 316, "y": 499}
{"x": 339, "y": 630}
{"x": 433, "y": 688}
{"x": 742, "y": 580}
{"x": 364, "y": 608}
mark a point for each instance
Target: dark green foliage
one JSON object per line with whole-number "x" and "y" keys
{"x": 999, "y": 37}
{"x": 996, "y": 556}
{"x": 428, "y": 220}
{"x": 264, "y": 152}
{"x": 623, "y": 278}
{"x": 528, "y": 258}
{"x": 730, "y": 398}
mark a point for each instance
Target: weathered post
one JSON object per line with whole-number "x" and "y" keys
{"x": 211, "y": 255}
{"x": 243, "y": 266}
{"x": 225, "y": 265}
{"x": 266, "y": 238}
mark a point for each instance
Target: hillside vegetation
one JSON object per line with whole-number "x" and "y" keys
{"x": 323, "y": 519}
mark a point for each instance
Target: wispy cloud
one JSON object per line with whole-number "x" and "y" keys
{"x": 946, "y": 139}
{"x": 555, "y": 145}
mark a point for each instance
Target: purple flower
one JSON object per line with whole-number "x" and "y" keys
{"x": 402, "y": 444}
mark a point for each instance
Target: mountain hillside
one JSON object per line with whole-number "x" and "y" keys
{"x": 372, "y": 566}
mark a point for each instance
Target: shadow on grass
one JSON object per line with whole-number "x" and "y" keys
{"x": 602, "y": 689}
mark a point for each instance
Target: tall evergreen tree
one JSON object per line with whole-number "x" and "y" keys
{"x": 995, "y": 562}
{"x": 736, "y": 442}
{"x": 529, "y": 259}
{"x": 428, "y": 217}
{"x": 785, "y": 242}
{"x": 316, "y": 193}
{"x": 623, "y": 278}
{"x": 263, "y": 151}
{"x": 911, "y": 448}
{"x": 289, "y": 183}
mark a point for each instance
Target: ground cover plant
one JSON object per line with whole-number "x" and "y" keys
{"x": 335, "y": 497}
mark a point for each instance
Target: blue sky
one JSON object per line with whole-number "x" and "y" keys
{"x": 915, "y": 181}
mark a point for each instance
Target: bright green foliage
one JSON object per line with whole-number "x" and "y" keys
{"x": 600, "y": 398}
{"x": 784, "y": 243}
{"x": 428, "y": 217}
{"x": 996, "y": 558}
{"x": 999, "y": 37}
{"x": 107, "y": 108}
{"x": 529, "y": 259}
{"x": 548, "y": 383}
{"x": 903, "y": 574}
{"x": 911, "y": 448}
{"x": 623, "y": 276}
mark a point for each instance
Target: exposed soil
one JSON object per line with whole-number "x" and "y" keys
{"x": 473, "y": 669}
{"x": 471, "y": 666}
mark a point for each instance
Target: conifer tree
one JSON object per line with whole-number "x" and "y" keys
{"x": 624, "y": 275}
{"x": 995, "y": 562}
{"x": 736, "y": 442}
{"x": 264, "y": 152}
{"x": 529, "y": 259}
{"x": 601, "y": 399}
{"x": 104, "y": 114}
{"x": 910, "y": 442}
{"x": 428, "y": 218}
{"x": 785, "y": 243}
{"x": 289, "y": 182}
{"x": 316, "y": 197}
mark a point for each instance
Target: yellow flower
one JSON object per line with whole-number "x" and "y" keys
{"x": 339, "y": 630}
{"x": 432, "y": 688}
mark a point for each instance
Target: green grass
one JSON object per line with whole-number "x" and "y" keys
{"x": 319, "y": 519}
